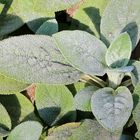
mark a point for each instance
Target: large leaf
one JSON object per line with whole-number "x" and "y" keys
{"x": 89, "y": 15}
{"x": 48, "y": 28}
{"x": 33, "y": 9}
{"x": 84, "y": 51}
{"x": 18, "y": 107}
{"x": 83, "y": 98}
{"x": 121, "y": 16}
{"x": 29, "y": 130}
{"x": 112, "y": 108}
{"x": 54, "y": 103}
{"x": 10, "y": 86}
{"x": 33, "y": 59}
{"x": 5, "y": 121}
{"x": 119, "y": 52}
{"x": 88, "y": 129}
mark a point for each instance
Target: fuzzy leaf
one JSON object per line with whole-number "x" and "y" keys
{"x": 54, "y": 103}
{"x": 84, "y": 51}
{"x": 35, "y": 60}
{"x": 89, "y": 13}
{"x": 119, "y": 52}
{"x": 74, "y": 131}
{"x": 83, "y": 98}
{"x": 29, "y": 130}
{"x": 10, "y": 86}
{"x": 136, "y": 110}
{"x": 112, "y": 108}
{"x": 34, "y": 9}
{"x": 5, "y": 121}
{"x": 18, "y": 107}
{"x": 121, "y": 16}
{"x": 48, "y": 28}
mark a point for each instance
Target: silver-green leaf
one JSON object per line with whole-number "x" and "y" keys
{"x": 35, "y": 59}
{"x": 82, "y": 50}
{"x": 30, "y": 130}
{"x": 112, "y": 108}
{"x": 121, "y": 16}
{"x": 119, "y": 52}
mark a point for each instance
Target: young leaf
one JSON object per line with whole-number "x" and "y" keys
{"x": 89, "y": 15}
{"x": 10, "y": 86}
{"x": 18, "y": 107}
{"x": 54, "y": 103}
{"x": 30, "y": 130}
{"x": 121, "y": 16}
{"x": 5, "y": 121}
{"x": 48, "y": 28}
{"x": 112, "y": 108}
{"x": 83, "y": 98}
{"x": 119, "y": 52}
{"x": 35, "y": 59}
{"x": 84, "y": 51}
{"x": 88, "y": 129}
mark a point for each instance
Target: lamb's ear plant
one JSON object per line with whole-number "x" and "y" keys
{"x": 85, "y": 88}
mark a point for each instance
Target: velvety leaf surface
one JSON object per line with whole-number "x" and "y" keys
{"x": 119, "y": 52}
{"x": 18, "y": 107}
{"x": 112, "y": 108}
{"x": 79, "y": 86}
{"x": 48, "y": 28}
{"x": 84, "y": 51}
{"x": 35, "y": 59}
{"x": 74, "y": 131}
{"x": 5, "y": 121}
{"x": 54, "y": 103}
{"x": 83, "y": 98}
{"x": 136, "y": 110}
{"x": 121, "y": 16}
{"x": 29, "y": 130}
{"x": 10, "y": 86}
{"x": 89, "y": 14}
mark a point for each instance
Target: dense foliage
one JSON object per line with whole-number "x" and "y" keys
{"x": 67, "y": 70}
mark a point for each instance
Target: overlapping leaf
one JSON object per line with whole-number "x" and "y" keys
{"x": 121, "y": 16}
{"x": 54, "y": 103}
{"x": 88, "y": 129}
{"x": 34, "y": 59}
{"x": 30, "y": 130}
{"x": 84, "y": 51}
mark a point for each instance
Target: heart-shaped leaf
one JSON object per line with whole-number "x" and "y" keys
{"x": 30, "y": 130}
{"x": 121, "y": 16}
{"x": 18, "y": 107}
{"x": 48, "y": 28}
{"x": 119, "y": 52}
{"x": 112, "y": 108}
{"x": 10, "y": 86}
{"x": 35, "y": 60}
{"x": 5, "y": 121}
{"x": 82, "y": 50}
{"x": 74, "y": 131}
{"x": 83, "y": 98}
{"x": 54, "y": 103}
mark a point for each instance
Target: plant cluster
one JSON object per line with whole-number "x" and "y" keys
{"x": 71, "y": 78}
